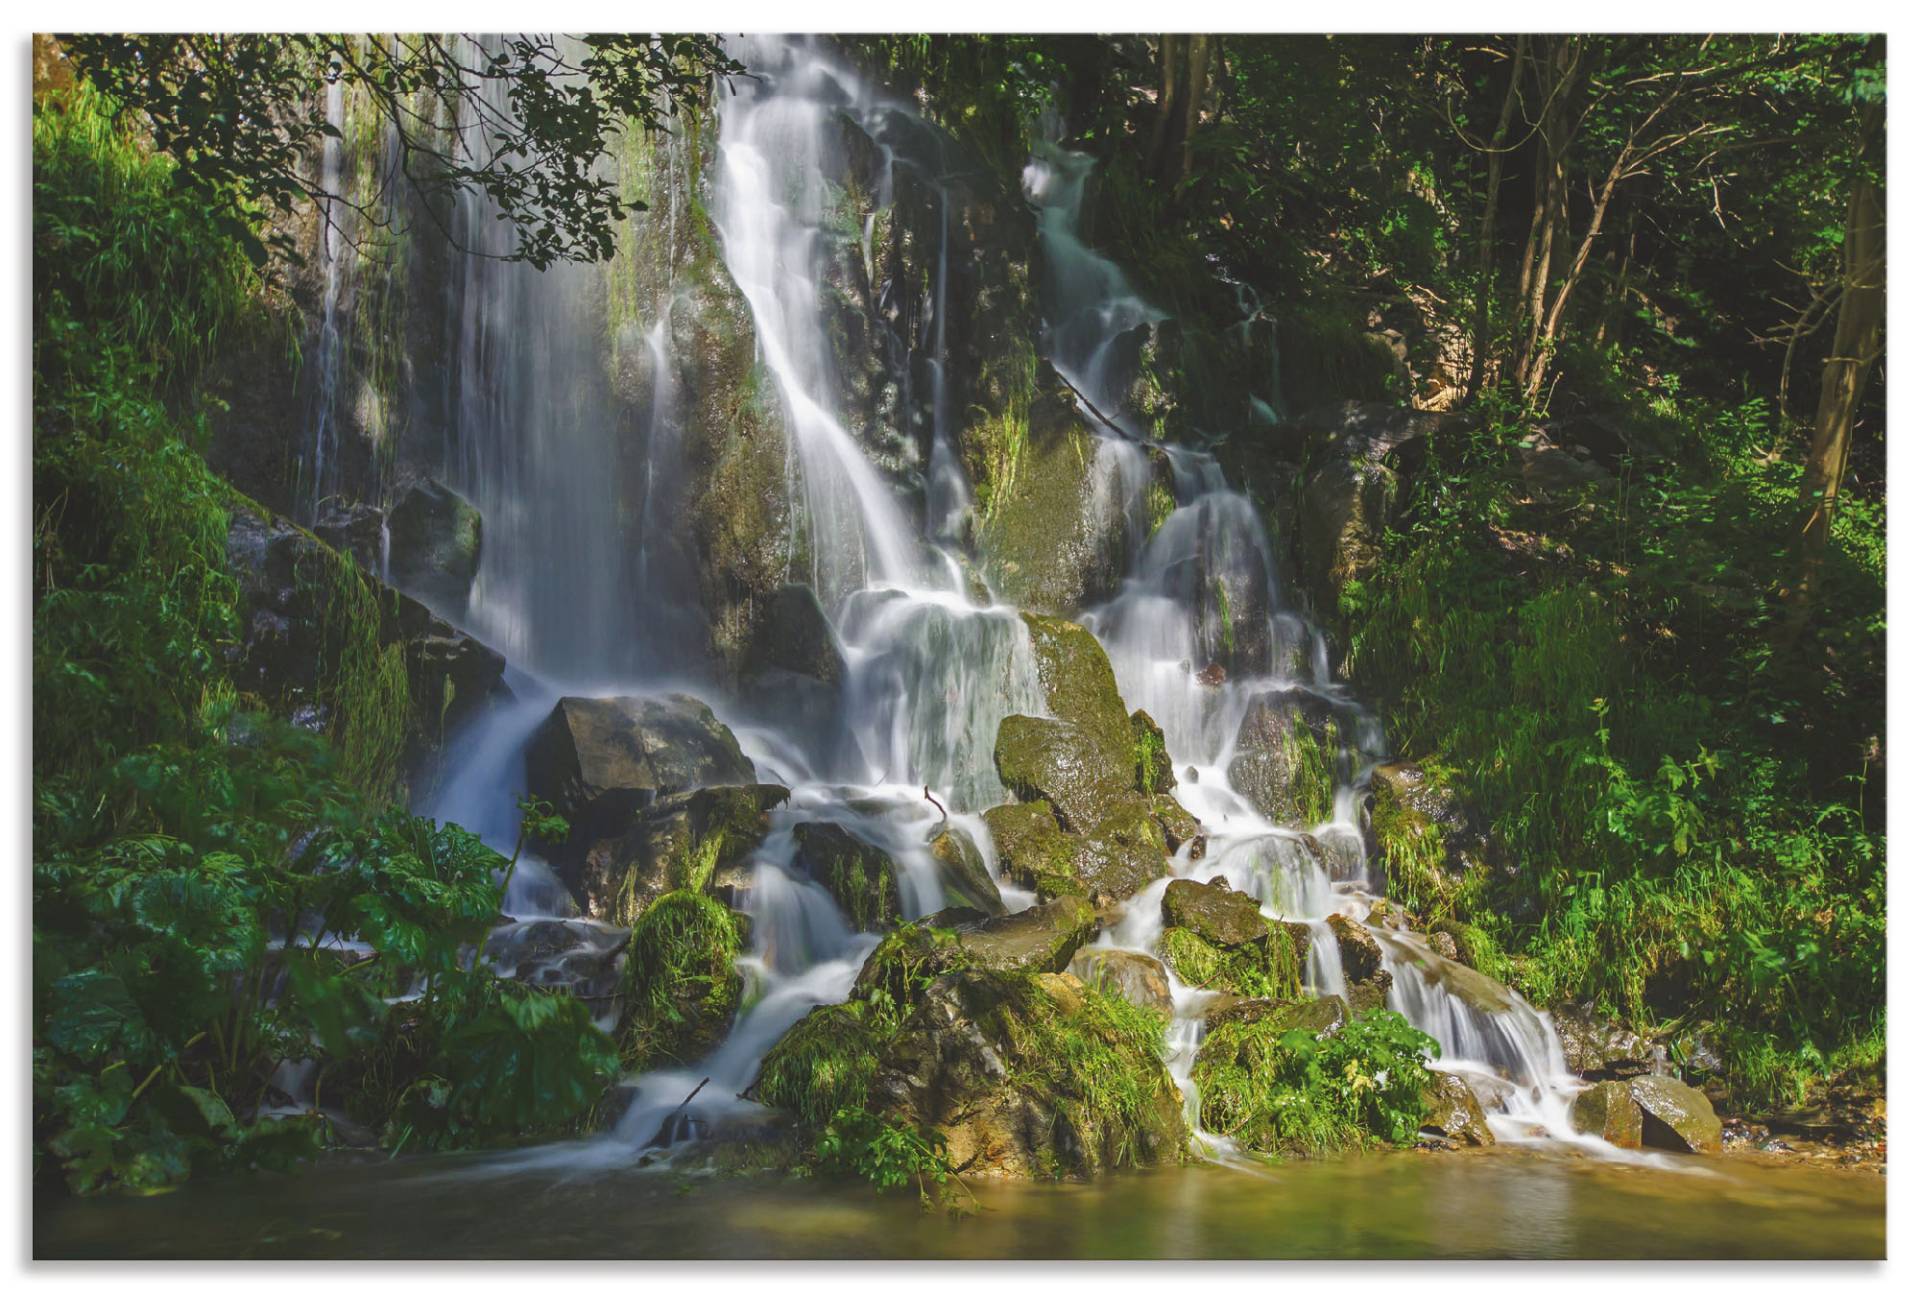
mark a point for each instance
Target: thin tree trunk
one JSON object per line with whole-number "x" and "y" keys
{"x": 1496, "y": 159}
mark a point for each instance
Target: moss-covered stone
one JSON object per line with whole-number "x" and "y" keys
{"x": 681, "y": 987}
{"x": 695, "y": 839}
{"x": 1044, "y": 937}
{"x": 825, "y": 1062}
{"x": 964, "y": 879}
{"x": 1134, "y": 975}
{"x": 1034, "y": 852}
{"x": 859, "y": 875}
{"x": 1217, "y": 939}
{"x": 1063, "y": 764}
{"x": 1452, "y": 1111}
{"x": 1608, "y": 1110}
{"x": 1123, "y": 852}
{"x": 1152, "y": 767}
{"x": 1288, "y": 757}
{"x": 434, "y": 543}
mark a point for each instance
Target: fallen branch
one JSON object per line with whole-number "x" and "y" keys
{"x": 660, "y": 1139}
{"x": 928, "y": 792}
{"x": 1091, "y": 407}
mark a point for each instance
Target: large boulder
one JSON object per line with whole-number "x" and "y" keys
{"x": 859, "y": 875}
{"x": 1608, "y": 1110}
{"x": 1289, "y": 756}
{"x": 1062, "y": 764}
{"x": 1597, "y": 1048}
{"x": 1032, "y": 1076}
{"x": 433, "y": 543}
{"x": 1319, "y": 1016}
{"x": 1216, "y": 911}
{"x": 1122, "y": 854}
{"x": 1677, "y": 1116}
{"x": 599, "y": 761}
{"x": 1134, "y": 975}
{"x": 1362, "y": 962}
{"x": 693, "y": 839}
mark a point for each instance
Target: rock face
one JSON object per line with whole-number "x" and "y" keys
{"x": 695, "y": 839}
{"x": 1288, "y": 756}
{"x": 434, "y": 543}
{"x": 984, "y": 1059}
{"x": 1453, "y": 1112}
{"x": 1677, "y": 1116}
{"x": 793, "y": 670}
{"x": 1084, "y": 824}
{"x": 298, "y": 600}
{"x": 858, "y": 874}
{"x": 1608, "y": 1110}
{"x": 598, "y": 761}
{"x": 1043, "y": 937}
{"x": 1137, "y": 977}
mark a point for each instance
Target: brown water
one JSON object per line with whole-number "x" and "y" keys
{"x": 1502, "y": 1203}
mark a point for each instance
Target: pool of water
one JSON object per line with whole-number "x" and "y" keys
{"x": 1499, "y": 1203}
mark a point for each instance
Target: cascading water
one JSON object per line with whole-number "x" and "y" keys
{"x": 1206, "y": 575}
{"x": 930, "y": 672}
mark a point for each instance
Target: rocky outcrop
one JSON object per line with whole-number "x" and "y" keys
{"x": 1598, "y": 1049}
{"x": 1044, "y": 937}
{"x": 433, "y": 543}
{"x": 987, "y": 1060}
{"x": 1361, "y": 962}
{"x": 859, "y": 875}
{"x": 794, "y": 672}
{"x": 1137, "y": 977}
{"x": 1319, "y": 1016}
{"x": 317, "y": 634}
{"x": 1084, "y": 824}
{"x": 1289, "y": 756}
{"x": 697, "y": 839}
{"x": 600, "y": 760}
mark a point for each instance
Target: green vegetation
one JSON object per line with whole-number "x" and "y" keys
{"x": 191, "y": 853}
{"x": 1280, "y": 1089}
{"x": 681, "y": 983}
{"x": 1264, "y": 967}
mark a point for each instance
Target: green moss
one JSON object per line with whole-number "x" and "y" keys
{"x": 1265, "y": 967}
{"x": 1310, "y": 757}
{"x": 866, "y": 893}
{"x": 899, "y": 970}
{"x": 362, "y": 682}
{"x": 824, "y": 1063}
{"x": 681, "y": 987}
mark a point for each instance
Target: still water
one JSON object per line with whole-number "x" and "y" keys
{"x": 1499, "y": 1203}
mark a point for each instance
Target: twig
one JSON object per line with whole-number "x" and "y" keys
{"x": 1090, "y": 406}
{"x": 660, "y": 1137}
{"x": 928, "y": 792}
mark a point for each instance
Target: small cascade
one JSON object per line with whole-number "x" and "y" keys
{"x": 1198, "y": 634}
{"x": 322, "y": 413}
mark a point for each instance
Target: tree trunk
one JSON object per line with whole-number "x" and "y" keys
{"x": 1856, "y": 345}
{"x": 1560, "y": 74}
{"x": 1496, "y": 159}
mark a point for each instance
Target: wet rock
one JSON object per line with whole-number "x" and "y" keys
{"x": 434, "y": 543}
{"x": 1061, "y": 763}
{"x": 1288, "y": 756}
{"x": 579, "y": 956}
{"x": 695, "y": 839}
{"x": 1319, "y": 1015}
{"x": 964, "y": 880}
{"x": 1677, "y": 1116}
{"x": 794, "y": 672}
{"x": 1597, "y": 1048}
{"x": 599, "y": 761}
{"x": 1359, "y": 953}
{"x": 1452, "y": 1111}
{"x": 1137, "y": 977}
{"x": 1178, "y": 825}
{"x": 1123, "y": 853}
{"x": 1424, "y": 831}
{"x": 353, "y": 528}
{"x": 1043, "y": 937}
{"x": 1216, "y": 911}
{"x": 1153, "y": 769}
{"x": 1442, "y": 942}
{"x": 859, "y": 875}
{"x": 979, "y": 1060}
{"x": 1608, "y": 1110}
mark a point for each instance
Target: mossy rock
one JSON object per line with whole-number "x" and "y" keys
{"x": 859, "y": 875}
{"x": 908, "y": 959}
{"x": 1217, "y": 939}
{"x": 681, "y": 986}
{"x": 1124, "y": 852}
{"x": 825, "y": 1062}
{"x": 1034, "y": 852}
{"x": 1152, "y": 766}
{"x": 1289, "y": 756}
{"x": 1077, "y": 680}
{"x": 433, "y": 544}
{"x": 1044, "y": 937}
{"x": 1215, "y": 911}
{"x": 1177, "y": 825}
{"x": 1033, "y": 1075}
{"x": 599, "y": 760}
{"x": 1134, "y": 975}
{"x": 1452, "y": 1112}
{"x": 1677, "y": 1116}
{"x": 694, "y": 839}
{"x": 1608, "y": 1110}
{"x": 1062, "y": 764}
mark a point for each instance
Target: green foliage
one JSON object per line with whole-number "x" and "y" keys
{"x": 891, "y": 1155}
{"x": 825, "y": 1063}
{"x": 1282, "y": 1090}
{"x": 1686, "y": 807}
{"x": 241, "y": 113}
